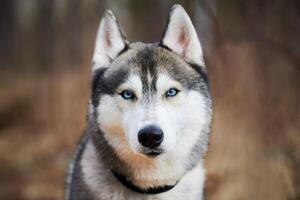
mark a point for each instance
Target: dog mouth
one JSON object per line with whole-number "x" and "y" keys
{"x": 153, "y": 152}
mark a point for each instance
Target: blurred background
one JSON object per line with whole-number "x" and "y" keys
{"x": 253, "y": 59}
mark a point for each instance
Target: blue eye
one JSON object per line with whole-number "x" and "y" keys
{"x": 172, "y": 92}
{"x": 127, "y": 94}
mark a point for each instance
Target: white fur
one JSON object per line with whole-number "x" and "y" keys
{"x": 105, "y": 187}
{"x": 181, "y": 37}
{"x": 109, "y": 41}
{"x": 180, "y": 117}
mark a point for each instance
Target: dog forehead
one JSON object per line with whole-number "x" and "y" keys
{"x": 148, "y": 61}
{"x": 154, "y": 59}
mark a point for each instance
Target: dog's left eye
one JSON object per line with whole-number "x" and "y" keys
{"x": 172, "y": 92}
{"x": 127, "y": 94}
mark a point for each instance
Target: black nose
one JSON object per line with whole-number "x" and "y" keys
{"x": 151, "y": 136}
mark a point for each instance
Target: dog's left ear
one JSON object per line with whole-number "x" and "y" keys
{"x": 109, "y": 42}
{"x": 181, "y": 37}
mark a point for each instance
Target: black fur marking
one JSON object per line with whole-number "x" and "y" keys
{"x": 153, "y": 83}
{"x": 126, "y": 47}
{"x": 205, "y": 88}
{"x": 77, "y": 188}
{"x": 201, "y": 70}
{"x": 160, "y": 44}
{"x": 95, "y": 90}
{"x": 135, "y": 188}
{"x": 145, "y": 59}
{"x": 106, "y": 85}
{"x": 107, "y": 155}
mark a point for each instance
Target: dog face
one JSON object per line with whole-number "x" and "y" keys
{"x": 151, "y": 99}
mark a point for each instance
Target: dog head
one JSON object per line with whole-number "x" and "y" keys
{"x": 151, "y": 99}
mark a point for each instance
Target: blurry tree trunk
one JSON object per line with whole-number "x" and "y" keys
{"x": 7, "y": 32}
{"x": 45, "y": 33}
{"x": 74, "y": 35}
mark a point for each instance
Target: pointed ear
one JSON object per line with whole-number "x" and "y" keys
{"x": 109, "y": 42}
{"x": 181, "y": 37}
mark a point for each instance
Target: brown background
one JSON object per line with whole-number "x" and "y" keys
{"x": 253, "y": 58}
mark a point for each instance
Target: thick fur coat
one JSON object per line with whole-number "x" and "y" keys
{"x": 137, "y": 85}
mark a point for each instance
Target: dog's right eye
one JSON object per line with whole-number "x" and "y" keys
{"x": 127, "y": 94}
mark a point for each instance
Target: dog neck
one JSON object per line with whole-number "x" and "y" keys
{"x": 152, "y": 190}
{"x": 91, "y": 165}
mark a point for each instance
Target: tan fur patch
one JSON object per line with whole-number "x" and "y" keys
{"x": 114, "y": 129}
{"x": 139, "y": 162}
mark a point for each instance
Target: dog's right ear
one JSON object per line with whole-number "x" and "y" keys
{"x": 109, "y": 42}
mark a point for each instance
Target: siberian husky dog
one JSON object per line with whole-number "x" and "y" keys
{"x": 149, "y": 117}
